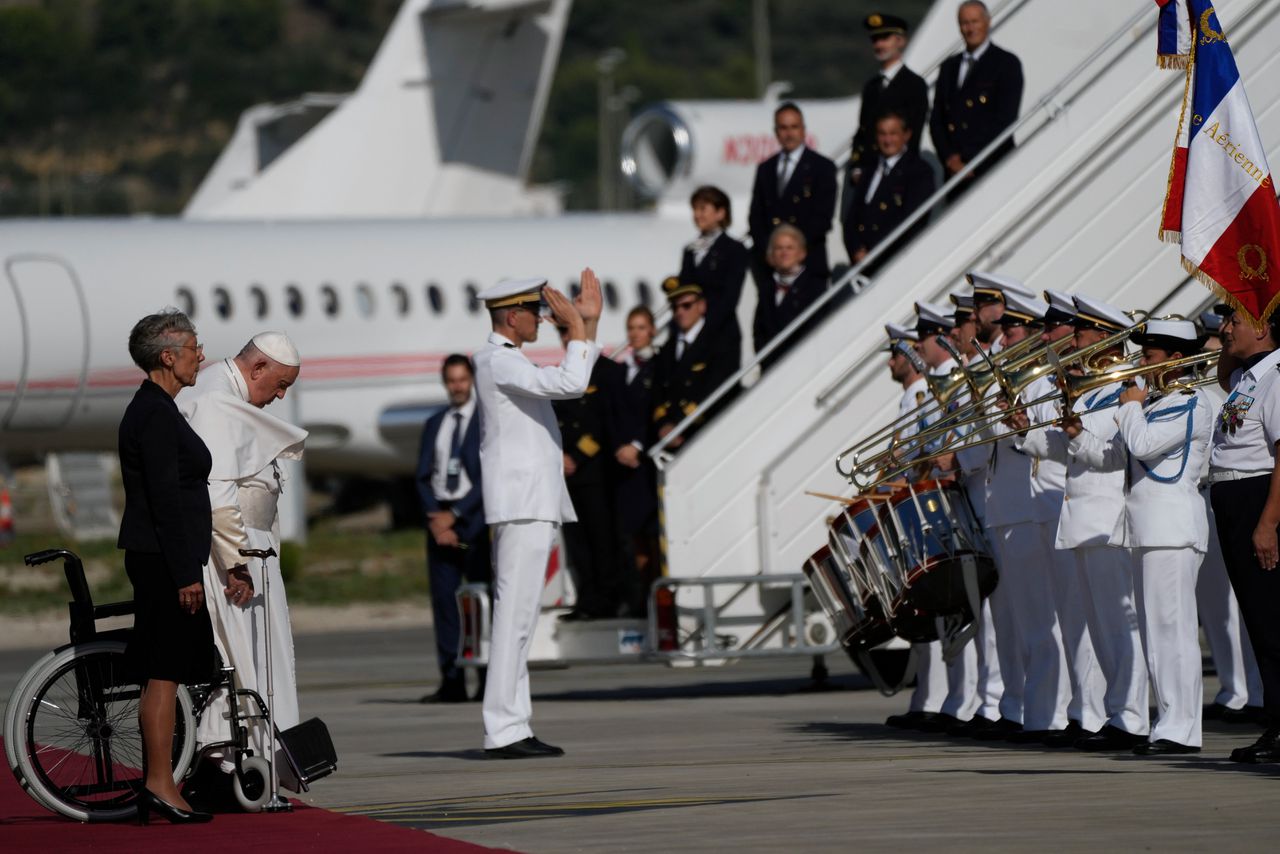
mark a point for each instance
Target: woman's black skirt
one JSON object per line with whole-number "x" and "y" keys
{"x": 167, "y": 642}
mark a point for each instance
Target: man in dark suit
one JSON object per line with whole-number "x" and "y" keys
{"x": 896, "y": 183}
{"x": 587, "y": 427}
{"x": 796, "y": 186}
{"x": 895, "y": 88}
{"x": 691, "y": 365}
{"x": 448, "y": 481}
{"x": 792, "y": 288}
{"x": 977, "y": 95}
{"x": 637, "y": 488}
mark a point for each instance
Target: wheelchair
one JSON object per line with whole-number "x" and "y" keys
{"x": 71, "y": 730}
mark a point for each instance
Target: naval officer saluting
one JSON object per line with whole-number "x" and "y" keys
{"x": 522, "y": 474}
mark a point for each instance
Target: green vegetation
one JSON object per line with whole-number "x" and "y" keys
{"x": 121, "y": 106}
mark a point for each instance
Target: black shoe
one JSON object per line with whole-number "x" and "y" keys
{"x": 1110, "y": 738}
{"x": 210, "y": 790}
{"x": 448, "y": 692}
{"x": 529, "y": 748}
{"x": 969, "y": 728}
{"x": 910, "y": 720}
{"x": 1265, "y": 749}
{"x": 1065, "y": 737}
{"x": 941, "y": 722}
{"x": 1163, "y": 747}
{"x": 575, "y": 616}
{"x": 998, "y": 731}
{"x": 1030, "y": 736}
{"x": 1245, "y": 715}
{"x": 151, "y": 804}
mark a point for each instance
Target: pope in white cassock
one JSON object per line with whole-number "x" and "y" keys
{"x": 226, "y": 410}
{"x": 522, "y": 473}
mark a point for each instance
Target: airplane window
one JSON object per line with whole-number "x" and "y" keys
{"x": 473, "y": 304}
{"x": 435, "y": 298}
{"x": 400, "y": 298}
{"x": 222, "y": 302}
{"x": 642, "y": 292}
{"x": 293, "y": 299}
{"x": 186, "y": 301}
{"x": 610, "y": 295}
{"x": 364, "y": 300}
{"x": 259, "y": 297}
{"x": 329, "y": 300}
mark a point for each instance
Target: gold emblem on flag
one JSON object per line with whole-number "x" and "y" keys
{"x": 1208, "y": 35}
{"x": 1248, "y": 271}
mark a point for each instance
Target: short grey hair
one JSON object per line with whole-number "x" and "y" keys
{"x": 983, "y": 6}
{"x": 155, "y": 333}
{"x": 788, "y": 230}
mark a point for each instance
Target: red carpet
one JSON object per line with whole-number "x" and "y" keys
{"x": 27, "y": 826}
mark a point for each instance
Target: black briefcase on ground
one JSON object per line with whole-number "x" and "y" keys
{"x": 309, "y": 751}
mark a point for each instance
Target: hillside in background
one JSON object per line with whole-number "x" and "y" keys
{"x": 121, "y": 106}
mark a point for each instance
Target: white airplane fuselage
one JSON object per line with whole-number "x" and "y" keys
{"x": 373, "y": 306}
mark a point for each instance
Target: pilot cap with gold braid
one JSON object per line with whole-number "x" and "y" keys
{"x": 674, "y": 288}
{"x": 884, "y": 25}
{"x": 511, "y": 292}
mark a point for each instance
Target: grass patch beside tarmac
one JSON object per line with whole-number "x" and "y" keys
{"x": 336, "y": 566}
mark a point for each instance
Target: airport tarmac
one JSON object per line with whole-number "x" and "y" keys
{"x": 739, "y": 758}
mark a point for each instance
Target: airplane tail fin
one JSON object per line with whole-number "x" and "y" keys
{"x": 444, "y": 123}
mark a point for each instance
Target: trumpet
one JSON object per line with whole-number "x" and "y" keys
{"x": 1184, "y": 374}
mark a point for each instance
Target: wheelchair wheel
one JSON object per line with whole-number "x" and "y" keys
{"x": 12, "y": 732}
{"x": 79, "y": 750}
{"x": 254, "y": 790}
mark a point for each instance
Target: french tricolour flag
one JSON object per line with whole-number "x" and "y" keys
{"x": 1221, "y": 203}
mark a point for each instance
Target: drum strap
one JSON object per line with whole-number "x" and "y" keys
{"x": 868, "y": 665}
{"x": 953, "y": 631}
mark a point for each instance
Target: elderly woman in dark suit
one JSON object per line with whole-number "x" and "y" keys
{"x": 165, "y": 534}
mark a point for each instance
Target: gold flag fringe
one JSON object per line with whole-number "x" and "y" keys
{"x": 1226, "y": 296}
{"x": 1172, "y": 61}
{"x": 1173, "y": 158}
{"x": 1169, "y": 236}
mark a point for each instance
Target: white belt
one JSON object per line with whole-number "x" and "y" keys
{"x": 1220, "y": 475}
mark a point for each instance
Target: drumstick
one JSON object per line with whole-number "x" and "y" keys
{"x": 831, "y": 497}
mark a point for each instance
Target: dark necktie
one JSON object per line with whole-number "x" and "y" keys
{"x": 884, "y": 81}
{"x": 453, "y": 472}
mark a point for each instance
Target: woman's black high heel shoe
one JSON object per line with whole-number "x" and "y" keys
{"x": 149, "y": 802}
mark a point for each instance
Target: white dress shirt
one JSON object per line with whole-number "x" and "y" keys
{"x": 968, "y": 59}
{"x": 701, "y": 245}
{"x": 1255, "y": 398}
{"x": 885, "y": 167}
{"x": 887, "y": 74}
{"x": 782, "y": 283}
{"x": 787, "y": 166}
{"x": 444, "y": 438}
{"x": 684, "y": 340}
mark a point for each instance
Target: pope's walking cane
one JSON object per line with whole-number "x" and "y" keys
{"x": 277, "y": 803}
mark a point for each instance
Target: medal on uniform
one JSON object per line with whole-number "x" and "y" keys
{"x": 1233, "y": 412}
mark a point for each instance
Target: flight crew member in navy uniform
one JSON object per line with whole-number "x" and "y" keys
{"x": 448, "y": 481}
{"x": 796, "y": 186}
{"x": 893, "y": 89}
{"x": 691, "y": 365}
{"x": 894, "y": 184}
{"x": 587, "y": 434}
{"x": 792, "y": 288}
{"x": 977, "y": 95}
{"x": 716, "y": 262}
{"x": 637, "y": 490}
{"x": 1244, "y": 487}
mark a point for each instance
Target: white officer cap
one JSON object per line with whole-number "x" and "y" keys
{"x": 933, "y": 318}
{"x": 1173, "y": 335}
{"x": 964, "y": 307}
{"x": 1095, "y": 313}
{"x": 511, "y": 292}
{"x": 1062, "y": 308}
{"x": 992, "y": 287}
{"x": 277, "y": 347}
{"x": 897, "y": 333}
{"x": 1020, "y": 309}
{"x": 1211, "y": 321}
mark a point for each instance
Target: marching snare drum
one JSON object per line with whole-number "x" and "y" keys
{"x": 830, "y": 581}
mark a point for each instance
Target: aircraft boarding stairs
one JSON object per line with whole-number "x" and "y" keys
{"x": 1075, "y": 207}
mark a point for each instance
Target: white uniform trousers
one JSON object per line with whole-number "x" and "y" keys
{"x": 1087, "y": 685}
{"x": 520, "y": 553}
{"x": 1228, "y": 639}
{"x": 1106, "y": 573}
{"x": 1164, "y": 586}
{"x": 931, "y": 678}
{"x": 1033, "y": 648}
{"x": 963, "y": 674}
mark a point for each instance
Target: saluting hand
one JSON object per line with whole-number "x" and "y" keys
{"x": 589, "y": 303}
{"x": 565, "y": 313}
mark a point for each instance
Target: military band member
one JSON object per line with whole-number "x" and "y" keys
{"x": 691, "y": 365}
{"x": 965, "y": 332}
{"x": 1093, "y": 500}
{"x": 977, "y": 95}
{"x": 1239, "y": 697}
{"x": 792, "y": 288}
{"x": 522, "y": 472}
{"x": 796, "y": 186}
{"x": 716, "y": 262}
{"x": 894, "y": 88}
{"x": 1245, "y": 491}
{"x": 1162, "y": 446}
{"x": 894, "y": 183}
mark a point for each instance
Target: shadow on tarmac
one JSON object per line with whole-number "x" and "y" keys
{"x": 741, "y": 688}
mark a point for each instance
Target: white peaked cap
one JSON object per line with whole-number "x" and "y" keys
{"x": 1062, "y": 308}
{"x": 1100, "y": 313}
{"x": 897, "y": 332}
{"x": 277, "y": 347}
{"x": 510, "y": 292}
{"x": 1026, "y": 308}
{"x": 932, "y": 315}
{"x": 1182, "y": 330}
{"x": 996, "y": 284}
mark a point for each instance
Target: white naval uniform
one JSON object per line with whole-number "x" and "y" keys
{"x": 525, "y": 500}
{"x": 1240, "y": 684}
{"x": 1093, "y": 501}
{"x": 245, "y": 483}
{"x": 1164, "y": 446}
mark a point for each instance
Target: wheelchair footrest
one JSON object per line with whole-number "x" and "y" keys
{"x": 309, "y": 750}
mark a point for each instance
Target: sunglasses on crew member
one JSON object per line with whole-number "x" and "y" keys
{"x": 684, "y": 305}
